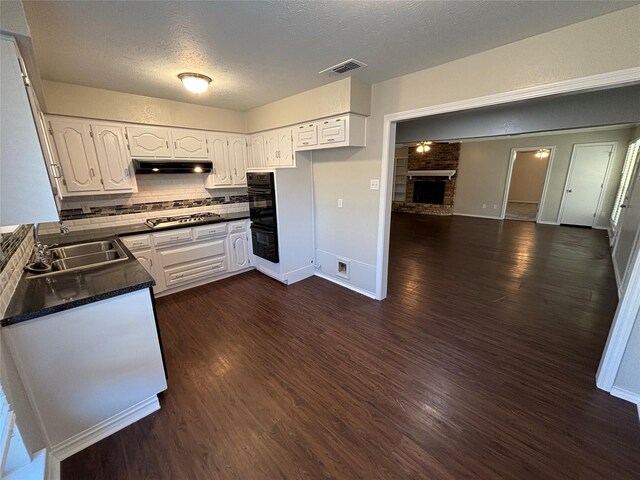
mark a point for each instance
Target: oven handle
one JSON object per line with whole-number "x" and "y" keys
{"x": 259, "y": 191}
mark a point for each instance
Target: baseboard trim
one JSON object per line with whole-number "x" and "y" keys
{"x": 626, "y": 395}
{"x": 346, "y": 285}
{"x": 299, "y": 274}
{"x": 105, "y": 428}
{"x": 544, "y": 222}
{"x": 477, "y": 216}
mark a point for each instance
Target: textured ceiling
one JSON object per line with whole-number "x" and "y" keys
{"x": 258, "y": 52}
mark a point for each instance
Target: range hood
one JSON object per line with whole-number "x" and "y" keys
{"x": 172, "y": 166}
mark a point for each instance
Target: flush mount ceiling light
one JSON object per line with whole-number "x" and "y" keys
{"x": 195, "y": 82}
{"x": 542, "y": 154}
{"x": 423, "y": 147}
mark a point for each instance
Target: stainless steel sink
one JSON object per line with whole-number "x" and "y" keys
{"x": 84, "y": 256}
{"x": 82, "y": 249}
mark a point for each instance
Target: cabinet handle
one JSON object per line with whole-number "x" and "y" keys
{"x": 55, "y": 170}
{"x": 175, "y": 144}
{"x": 151, "y": 262}
{"x": 167, "y": 142}
{"x": 92, "y": 172}
{"x": 305, "y": 143}
{"x": 235, "y": 171}
{"x": 331, "y": 139}
{"x": 126, "y": 172}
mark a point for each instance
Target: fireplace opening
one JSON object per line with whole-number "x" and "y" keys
{"x": 431, "y": 192}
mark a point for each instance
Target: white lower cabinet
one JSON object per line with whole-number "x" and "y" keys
{"x": 180, "y": 257}
{"x": 239, "y": 257}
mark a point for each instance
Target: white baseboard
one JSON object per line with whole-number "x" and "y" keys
{"x": 477, "y": 216}
{"x": 300, "y": 274}
{"x": 105, "y": 428}
{"x": 626, "y": 395}
{"x": 346, "y": 285}
{"x": 544, "y": 222}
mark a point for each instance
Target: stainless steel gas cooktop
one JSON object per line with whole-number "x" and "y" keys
{"x": 195, "y": 218}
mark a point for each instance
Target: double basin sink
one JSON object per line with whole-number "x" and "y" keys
{"x": 85, "y": 255}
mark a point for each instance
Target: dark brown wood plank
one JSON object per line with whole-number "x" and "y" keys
{"x": 480, "y": 364}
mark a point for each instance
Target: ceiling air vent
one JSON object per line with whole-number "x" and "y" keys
{"x": 343, "y": 67}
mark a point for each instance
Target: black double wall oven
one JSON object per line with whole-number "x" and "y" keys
{"x": 262, "y": 210}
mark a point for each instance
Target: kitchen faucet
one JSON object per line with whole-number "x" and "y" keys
{"x": 41, "y": 252}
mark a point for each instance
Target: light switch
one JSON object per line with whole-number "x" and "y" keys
{"x": 375, "y": 184}
{"x": 339, "y": 203}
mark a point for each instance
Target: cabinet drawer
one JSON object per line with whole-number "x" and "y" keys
{"x": 191, "y": 272}
{"x": 333, "y": 131}
{"x": 238, "y": 227}
{"x": 173, "y": 236}
{"x": 306, "y": 135}
{"x": 137, "y": 242}
{"x": 192, "y": 252}
{"x": 206, "y": 231}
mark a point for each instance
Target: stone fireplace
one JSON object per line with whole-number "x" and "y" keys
{"x": 429, "y": 195}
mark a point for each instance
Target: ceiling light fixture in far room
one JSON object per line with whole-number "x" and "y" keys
{"x": 195, "y": 82}
{"x": 542, "y": 154}
{"x": 423, "y": 147}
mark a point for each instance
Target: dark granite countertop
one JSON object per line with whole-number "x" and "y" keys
{"x": 36, "y": 296}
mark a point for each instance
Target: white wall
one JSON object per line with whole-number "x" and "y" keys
{"x": 603, "y": 44}
{"x": 483, "y": 167}
{"x": 342, "y": 96}
{"x": 628, "y": 377}
{"x": 81, "y": 101}
{"x": 527, "y": 177}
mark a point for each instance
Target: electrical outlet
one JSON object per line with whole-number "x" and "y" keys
{"x": 495, "y": 206}
{"x": 375, "y": 184}
{"x": 484, "y": 205}
{"x": 339, "y": 203}
{"x": 86, "y": 209}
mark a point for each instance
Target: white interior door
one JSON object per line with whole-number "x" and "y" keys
{"x": 589, "y": 165}
{"x": 627, "y": 231}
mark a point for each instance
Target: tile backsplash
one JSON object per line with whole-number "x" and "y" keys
{"x": 158, "y": 195}
{"x": 15, "y": 258}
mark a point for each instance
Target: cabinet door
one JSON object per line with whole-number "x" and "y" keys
{"x": 189, "y": 144}
{"x": 271, "y": 149}
{"x": 113, "y": 160}
{"x": 238, "y": 158}
{"x": 239, "y": 251}
{"x": 219, "y": 154}
{"x": 145, "y": 142}
{"x": 285, "y": 148}
{"x": 305, "y": 136}
{"x": 332, "y": 131}
{"x": 76, "y": 155}
{"x": 257, "y": 156}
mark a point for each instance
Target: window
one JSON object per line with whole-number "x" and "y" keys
{"x": 627, "y": 171}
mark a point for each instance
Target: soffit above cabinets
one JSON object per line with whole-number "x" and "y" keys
{"x": 257, "y": 52}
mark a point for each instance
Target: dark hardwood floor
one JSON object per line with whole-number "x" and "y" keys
{"x": 480, "y": 364}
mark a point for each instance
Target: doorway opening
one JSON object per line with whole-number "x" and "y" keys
{"x": 526, "y": 183}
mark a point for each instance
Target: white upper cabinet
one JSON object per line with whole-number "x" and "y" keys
{"x": 189, "y": 143}
{"x": 332, "y": 131}
{"x": 76, "y": 155}
{"x": 341, "y": 131}
{"x": 278, "y": 146}
{"x": 285, "y": 148}
{"x": 238, "y": 159}
{"x": 257, "y": 154}
{"x": 149, "y": 142}
{"x": 219, "y": 155}
{"x": 113, "y": 160}
{"x": 305, "y": 135}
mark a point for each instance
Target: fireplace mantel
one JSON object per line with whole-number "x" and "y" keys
{"x": 431, "y": 173}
